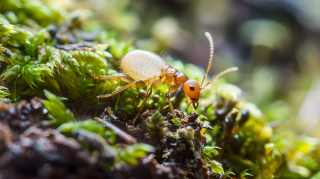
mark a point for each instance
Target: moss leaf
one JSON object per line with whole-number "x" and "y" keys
{"x": 216, "y": 167}
{"x": 244, "y": 173}
{"x": 33, "y": 42}
{"x": 58, "y": 112}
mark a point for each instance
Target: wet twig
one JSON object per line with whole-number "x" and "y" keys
{"x": 116, "y": 130}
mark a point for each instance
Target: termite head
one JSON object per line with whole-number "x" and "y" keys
{"x": 192, "y": 89}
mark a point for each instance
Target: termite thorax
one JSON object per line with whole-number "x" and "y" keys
{"x": 180, "y": 78}
{"x": 173, "y": 74}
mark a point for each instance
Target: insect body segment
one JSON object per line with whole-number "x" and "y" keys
{"x": 146, "y": 68}
{"x": 143, "y": 65}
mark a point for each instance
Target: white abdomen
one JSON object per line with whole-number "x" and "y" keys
{"x": 142, "y": 65}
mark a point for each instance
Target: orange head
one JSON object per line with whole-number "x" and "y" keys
{"x": 192, "y": 89}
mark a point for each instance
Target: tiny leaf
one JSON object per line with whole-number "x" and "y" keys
{"x": 58, "y": 112}
{"x": 128, "y": 109}
{"x": 32, "y": 42}
{"x": 175, "y": 121}
{"x": 117, "y": 105}
{"x": 208, "y": 150}
{"x": 244, "y": 173}
{"x": 216, "y": 167}
{"x": 229, "y": 171}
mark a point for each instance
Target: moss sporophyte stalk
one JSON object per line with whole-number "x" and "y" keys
{"x": 53, "y": 126}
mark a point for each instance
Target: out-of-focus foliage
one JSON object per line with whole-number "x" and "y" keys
{"x": 35, "y": 10}
{"x": 91, "y": 126}
{"x": 3, "y": 92}
{"x": 131, "y": 153}
{"x": 6, "y": 27}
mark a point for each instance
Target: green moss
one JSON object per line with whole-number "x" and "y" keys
{"x": 58, "y": 112}
{"x": 156, "y": 124}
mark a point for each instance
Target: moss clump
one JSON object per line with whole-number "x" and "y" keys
{"x": 156, "y": 124}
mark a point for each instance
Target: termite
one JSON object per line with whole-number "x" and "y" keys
{"x": 146, "y": 68}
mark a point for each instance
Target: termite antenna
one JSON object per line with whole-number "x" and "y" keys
{"x": 220, "y": 74}
{"x": 208, "y": 35}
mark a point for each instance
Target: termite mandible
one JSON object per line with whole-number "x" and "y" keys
{"x": 146, "y": 68}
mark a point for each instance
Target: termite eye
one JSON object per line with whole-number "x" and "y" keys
{"x": 191, "y": 87}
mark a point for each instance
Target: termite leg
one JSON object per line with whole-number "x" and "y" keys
{"x": 122, "y": 77}
{"x": 170, "y": 105}
{"x": 137, "y": 82}
{"x": 189, "y": 104}
{"x": 144, "y": 102}
{"x": 172, "y": 89}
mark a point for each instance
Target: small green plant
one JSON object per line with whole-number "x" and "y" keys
{"x": 59, "y": 114}
{"x": 175, "y": 121}
{"x": 91, "y": 126}
{"x": 156, "y": 124}
{"x": 130, "y": 154}
{"x": 3, "y": 92}
{"x": 229, "y": 172}
{"x": 245, "y": 173}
